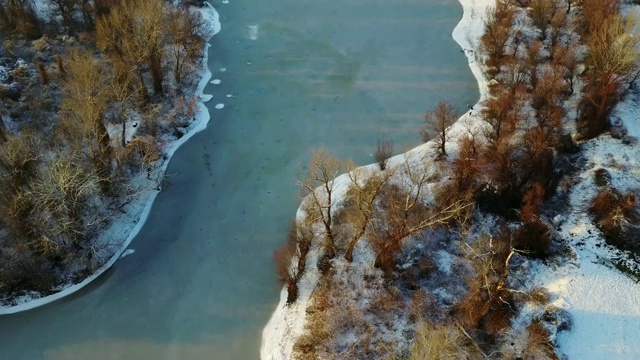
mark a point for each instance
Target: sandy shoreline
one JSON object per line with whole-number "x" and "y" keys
{"x": 211, "y": 18}
{"x": 287, "y": 322}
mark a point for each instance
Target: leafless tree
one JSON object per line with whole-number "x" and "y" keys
{"x": 438, "y": 121}
{"x": 318, "y": 184}
{"x": 362, "y": 196}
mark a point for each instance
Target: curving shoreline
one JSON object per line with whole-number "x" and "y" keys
{"x": 202, "y": 117}
{"x": 287, "y": 322}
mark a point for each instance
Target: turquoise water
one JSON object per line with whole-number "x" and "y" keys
{"x": 339, "y": 74}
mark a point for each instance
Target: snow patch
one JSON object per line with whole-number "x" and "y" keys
{"x": 127, "y": 253}
{"x": 252, "y": 31}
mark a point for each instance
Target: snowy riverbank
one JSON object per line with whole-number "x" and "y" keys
{"x": 287, "y": 322}
{"x": 603, "y": 303}
{"x": 117, "y": 237}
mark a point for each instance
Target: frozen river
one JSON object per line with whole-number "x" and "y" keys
{"x": 294, "y": 74}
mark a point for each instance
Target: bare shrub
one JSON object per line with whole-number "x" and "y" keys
{"x": 404, "y": 213}
{"x": 142, "y": 150}
{"x": 19, "y": 157}
{"x": 615, "y": 215}
{"x": 22, "y": 270}
{"x": 566, "y": 57}
{"x": 466, "y": 167}
{"x": 533, "y": 238}
{"x": 384, "y": 150}
{"x": 61, "y": 193}
{"x": 503, "y": 114}
{"x": 488, "y": 305}
{"x": 132, "y": 34}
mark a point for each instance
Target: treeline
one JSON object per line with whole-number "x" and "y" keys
{"x": 80, "y": 77}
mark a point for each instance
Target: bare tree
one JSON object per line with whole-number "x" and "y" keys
{"x": 184, "y": 37}
{"x": 133, "y": 33}
{"x": 121, "y": 91}
{"x": 404, "y": 213}
{"x": 362, "y": 195}
{"x": 567, "y": 58}
{"x": 60, "y": 193}
{"x": 85, "y": 84}
{"x": 318, "y": 182}
{"x": 438, "y": 121}
{"x": 558, "y": 26}
{"x": 541, "y": 12}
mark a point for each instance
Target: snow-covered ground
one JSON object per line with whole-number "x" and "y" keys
{"x": 603, "y": 302}
{"x": 115, "y": 239}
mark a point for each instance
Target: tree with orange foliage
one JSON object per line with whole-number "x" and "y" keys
{"x": 596, "y": 12}
{"x": 502, "y": 113}
{"x": 498, "y": 30}
{"x": 566, "y": 57}
{"x": 612, "y": 62}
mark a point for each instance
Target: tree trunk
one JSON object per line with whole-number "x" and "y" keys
{"x": 124, "y": 128}
{"x": 352, "y": 245}
{"x": 143, "y": 88}
{"x": 155, "y": 66}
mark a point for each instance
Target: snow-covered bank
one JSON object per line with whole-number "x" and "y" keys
{"x": 603, "y": 302}
{"x": 287, "y": 322}
{"x": 124, "y": 229}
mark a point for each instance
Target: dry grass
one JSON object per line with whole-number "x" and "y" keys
{"x": 441, "y": 342}
{"x": 346, "y": 321}
{"x": 539, "y": 345}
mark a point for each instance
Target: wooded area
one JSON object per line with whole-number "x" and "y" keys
{"x": 90, "y": 93}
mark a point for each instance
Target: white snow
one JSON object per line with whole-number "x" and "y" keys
{"x": 603, "y": 302}
{"x": 124, "y": 229}
{"x": 127, "y": 253}
{"x": 253, "y": 31}
{"x": 131, "y": 127}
